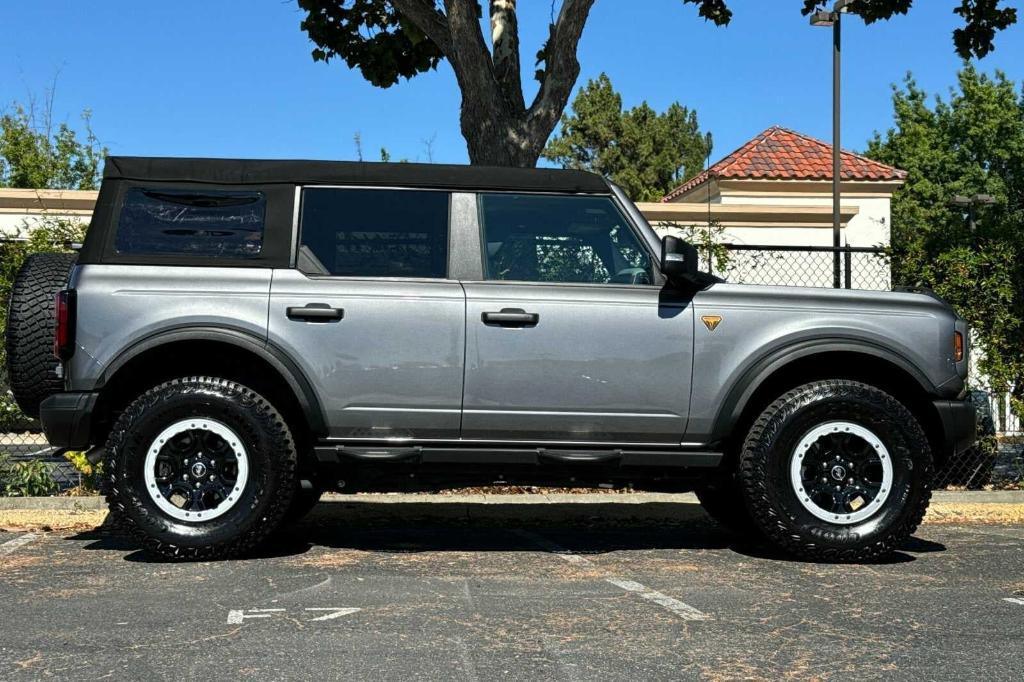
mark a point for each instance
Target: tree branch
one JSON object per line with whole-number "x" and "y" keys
{"x": 561, "y": 68}
{"x": 429, "y": 19}
{"x": 505, "y": 42}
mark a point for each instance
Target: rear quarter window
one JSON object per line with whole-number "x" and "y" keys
{"x": 208, "y": 223}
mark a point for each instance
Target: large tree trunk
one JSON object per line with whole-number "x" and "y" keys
{"x": 499, "y": 129}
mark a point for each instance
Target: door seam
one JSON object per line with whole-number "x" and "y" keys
{"x": 465, "y": 355}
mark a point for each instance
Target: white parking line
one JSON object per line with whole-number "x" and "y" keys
{"x": 239, "y": 616}
{"x": 679, "y": 608}
{"x": 20, "y": 541}
{"x": 1014, "y": 600}
{"x": 335, "y": 612}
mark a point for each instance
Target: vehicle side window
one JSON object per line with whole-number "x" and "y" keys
{"x": 574, "y": 239}
{"x": 374, "y": 233}
{"x": 207, "y": 223}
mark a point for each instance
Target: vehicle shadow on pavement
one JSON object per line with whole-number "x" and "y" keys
{"x": 585, "y": 529}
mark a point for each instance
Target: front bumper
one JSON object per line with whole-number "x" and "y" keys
{"x": 959, "y": 426}
{"x": 67, "y": 419}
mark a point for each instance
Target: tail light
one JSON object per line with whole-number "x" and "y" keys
{"x": 958, "y": 347}
{"x": 64, "y": 334}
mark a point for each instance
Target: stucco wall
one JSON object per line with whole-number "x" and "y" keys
{"x": 870, "y": 227}
{"x": 14, "y": 225}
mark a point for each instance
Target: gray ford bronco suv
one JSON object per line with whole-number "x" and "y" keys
{"x": 236, "y": 337}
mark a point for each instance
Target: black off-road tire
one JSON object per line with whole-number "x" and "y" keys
{"x": 724, "y": 502}
{"x": 271, "y": 457}
{"x": 764, "y": 472}
{"x": 31, "y": 322}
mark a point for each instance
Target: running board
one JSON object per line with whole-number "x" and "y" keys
{"x": 573, "y": 457}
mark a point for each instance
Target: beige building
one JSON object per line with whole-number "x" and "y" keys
{"x": 21, "y": 208}
{"x": 776, "y": 190}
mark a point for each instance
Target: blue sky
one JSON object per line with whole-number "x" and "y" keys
{"x": 234, "y": 78}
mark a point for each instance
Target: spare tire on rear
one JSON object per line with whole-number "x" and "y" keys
{"x": 31, "y": 323}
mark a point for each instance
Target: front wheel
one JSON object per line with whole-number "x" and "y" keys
{"x": 200, "y": 468}
{"x": 837, "y": 471}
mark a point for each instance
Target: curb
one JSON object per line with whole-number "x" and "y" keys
{"x": 619, "y": 501}
{"x": 86, "y": 503}
{"x": 979, "y": 496}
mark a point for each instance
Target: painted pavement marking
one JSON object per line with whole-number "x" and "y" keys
{"x": 679, "y": 608}
{"x": 18, "y": 542}
{"x": 239, "y": 616}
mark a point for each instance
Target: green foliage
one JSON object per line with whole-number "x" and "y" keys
{"x": 89, "y": 473}
{"x": 370, "y": 35}
{"x": 971, "y": 143}
{"x": 644, "y": 152}
{"x": 11, "y": 416}
{"x": 714, "y": 256}
{"x": 385, "y": 156}
{"x": 29, "y": 479}
{"x": 33, "y": 156}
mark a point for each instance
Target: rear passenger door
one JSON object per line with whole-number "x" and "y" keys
{"x": 568, "y": 339}
{"x": 370, "y": 314}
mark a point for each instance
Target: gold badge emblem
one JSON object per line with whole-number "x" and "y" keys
{"x": 711, "y": 321}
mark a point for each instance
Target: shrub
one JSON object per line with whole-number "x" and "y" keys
{"x": 88, "y": 473}
{"x": 30, "y": 479}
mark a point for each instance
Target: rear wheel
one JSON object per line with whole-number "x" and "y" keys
{"x": 200, "y": 468}
{"x": 837, "y": 471}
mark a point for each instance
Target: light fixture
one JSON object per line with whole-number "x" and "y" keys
{"x": 823, "y": 18}
{"x": 976, "y": 200}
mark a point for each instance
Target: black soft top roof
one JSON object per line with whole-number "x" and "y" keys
{"x": 253, "y": 171}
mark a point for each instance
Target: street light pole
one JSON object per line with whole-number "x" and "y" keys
{"x": 837, "y": 138}
{"x": 835, "y": 20}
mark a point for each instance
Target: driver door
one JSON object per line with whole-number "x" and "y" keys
{"x": 567, "y": 340}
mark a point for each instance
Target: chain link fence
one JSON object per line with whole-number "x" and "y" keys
{"x": 802, "y": 266}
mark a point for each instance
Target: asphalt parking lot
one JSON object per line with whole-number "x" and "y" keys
{"x": 427, "y": 592}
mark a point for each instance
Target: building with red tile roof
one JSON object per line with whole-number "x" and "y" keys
{"x": 782, "y": 154}
{"x": 776, "y": 190}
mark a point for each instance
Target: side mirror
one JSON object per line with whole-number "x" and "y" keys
{"x": 678, "y": 259}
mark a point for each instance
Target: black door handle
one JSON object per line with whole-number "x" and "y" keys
{"x": 511, "y": 317}
{"x": 315, "y": 312}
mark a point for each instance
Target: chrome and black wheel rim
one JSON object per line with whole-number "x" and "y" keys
{"x": 841, "y": 472}
{"x": 196, "y": 469}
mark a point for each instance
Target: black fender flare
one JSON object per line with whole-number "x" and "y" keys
{"x": 743, "y": 389}
{"x": 272, "y": 355}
